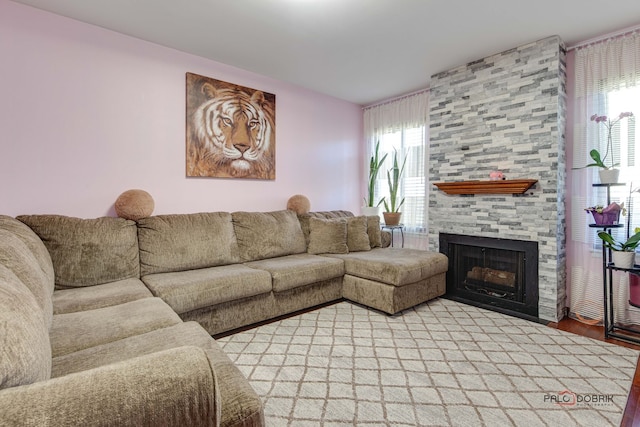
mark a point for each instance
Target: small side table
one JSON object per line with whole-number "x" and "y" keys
{"x": 392, "y": 229}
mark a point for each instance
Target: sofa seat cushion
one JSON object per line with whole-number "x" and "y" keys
{"x": 189, "y": 290}
{"x": 293, "y": 271}
{"x": 76, "y": 331}
{"x": 25, "y": 352}
{"x": 394, "y": 266}
{"x": 186, "y": 241}
{"x": 92, "y": 297}
{"x": 87, "y": 252}
{"x": 240, "y": 404}
{"x": 178, "y": 335}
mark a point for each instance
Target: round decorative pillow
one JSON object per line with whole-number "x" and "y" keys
{"x": 134, "y": 204}
{"x": 299, "y": 204}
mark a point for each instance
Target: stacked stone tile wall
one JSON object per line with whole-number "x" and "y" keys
{"x": 505, "y": 112}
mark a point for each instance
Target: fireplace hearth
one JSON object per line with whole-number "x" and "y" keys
{"x": 498, "y": 274}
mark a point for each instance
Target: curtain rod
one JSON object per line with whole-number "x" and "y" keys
{"x": 605, "y": 37}
{"x": 396, "y": 98}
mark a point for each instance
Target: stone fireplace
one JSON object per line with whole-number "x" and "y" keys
{"x": 505, "y": 112}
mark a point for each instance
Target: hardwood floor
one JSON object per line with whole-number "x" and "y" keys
{"x": 631, "y": 416}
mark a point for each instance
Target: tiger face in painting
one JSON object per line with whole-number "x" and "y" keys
{"x": 232, "y": 135}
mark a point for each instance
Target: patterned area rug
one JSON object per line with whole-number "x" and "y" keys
{"x": 442, "y": 363}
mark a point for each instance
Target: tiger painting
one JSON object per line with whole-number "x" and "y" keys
{"x": 230, "y": 130}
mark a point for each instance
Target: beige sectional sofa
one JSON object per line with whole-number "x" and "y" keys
{"x": 109, "y": 321}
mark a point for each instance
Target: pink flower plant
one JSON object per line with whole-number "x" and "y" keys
{"x": 609, "y": 124}
{"x": 607, "y": 214}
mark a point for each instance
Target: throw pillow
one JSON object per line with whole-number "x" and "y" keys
{"x": 357, "y": 236}
{"x": 373, "y": 230}
{"x": 327, "y": 236}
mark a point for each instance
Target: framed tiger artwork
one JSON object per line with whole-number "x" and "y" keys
{"x": 230, "y": 130}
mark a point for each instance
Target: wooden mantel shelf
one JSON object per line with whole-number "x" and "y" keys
{"x": 507, "y": 186}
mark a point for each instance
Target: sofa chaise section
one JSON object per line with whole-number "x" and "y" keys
{"x": 380, "y": 277}
{"x": 393, "y": 279}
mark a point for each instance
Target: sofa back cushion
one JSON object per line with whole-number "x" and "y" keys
{"x": 16, "y": 256}
{"x": 186, "y": 242}
{"x": 32, "y": 241}
{"x": 87, "y": 252}
{"x": 264, "y": 235}
{"x": 25, "y": 350}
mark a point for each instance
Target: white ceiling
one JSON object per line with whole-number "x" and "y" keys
{"x": 357, "y": 50}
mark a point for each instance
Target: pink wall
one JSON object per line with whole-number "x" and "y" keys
{"x": 87, "y": 113}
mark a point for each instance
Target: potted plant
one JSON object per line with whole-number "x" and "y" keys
{"x": 609, "y": 215}
{"x": 392, "y": 209}
{"x": 623, "y": 254}
{"x": 608, "y": 174}
{"x": 370, "y": 207}
{"x": 634, "y": 277}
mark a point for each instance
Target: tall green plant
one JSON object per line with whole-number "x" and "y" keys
{"x": 393, "y": 178}
{"x": 374, "y": 167}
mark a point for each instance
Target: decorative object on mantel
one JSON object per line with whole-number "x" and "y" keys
{"x": 609, "y": 215}
{"x": 392, "y": 214}
{"x": 608, "y": 174}
{"x": 507, "y": 186}
{"x": 496, "y": 176}
{"x": 623, "y": 254}
{"x": 371, "y": 208}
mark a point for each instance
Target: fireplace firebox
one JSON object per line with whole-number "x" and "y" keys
{"x": 493, "y": 273}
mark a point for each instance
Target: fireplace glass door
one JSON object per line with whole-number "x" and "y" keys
{"x": 490, "y": 272}
{"x": 500, "y": 274}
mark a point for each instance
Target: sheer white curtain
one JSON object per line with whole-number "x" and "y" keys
{"x": 402, "y": 125}
{"x": 607, "y": 82}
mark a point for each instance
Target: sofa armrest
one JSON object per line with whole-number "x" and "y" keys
{"x": 175, "y": 387}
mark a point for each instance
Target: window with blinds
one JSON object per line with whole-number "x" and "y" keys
{"x": 625, "y": 139}
{"x": 409, "y": 142}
